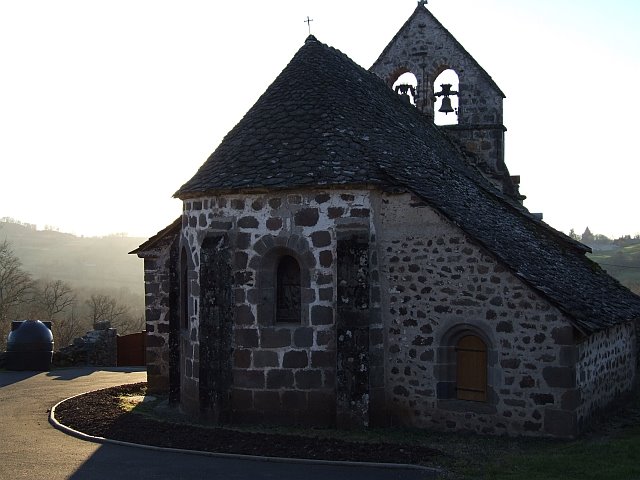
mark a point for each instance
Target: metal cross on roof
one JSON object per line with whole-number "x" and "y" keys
{"x": 423, "y": 2}
{"x": 308, "y": 22}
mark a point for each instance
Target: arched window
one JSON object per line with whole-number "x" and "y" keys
{"x": 184, "y": 291}
{"x": 406, "y": 86}
{"x": 471, "y": 369}
{"x": 288, "y": 306}
{"x": 446, "y": 92}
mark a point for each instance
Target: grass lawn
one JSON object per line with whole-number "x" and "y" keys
{"x": 612, "y": 458}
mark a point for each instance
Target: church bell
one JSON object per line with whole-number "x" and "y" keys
{"x": 446, "y": 106}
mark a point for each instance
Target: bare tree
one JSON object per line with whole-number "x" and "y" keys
{"x": 106, "y": 310}
{"x": 66, "y": 328}
{"x": 54, "y": 297}
{"x": 15, "y": 284}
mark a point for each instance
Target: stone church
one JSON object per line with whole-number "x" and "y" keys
{"x": 341, "y": 260}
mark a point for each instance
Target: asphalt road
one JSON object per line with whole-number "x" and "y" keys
{"x": 31, "y": 448}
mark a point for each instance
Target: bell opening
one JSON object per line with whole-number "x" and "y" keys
{"x": 407, "y": 86}
{"x": 446, "y": 102}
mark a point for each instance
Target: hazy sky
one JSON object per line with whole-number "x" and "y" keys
{"x": 107, "y": 107}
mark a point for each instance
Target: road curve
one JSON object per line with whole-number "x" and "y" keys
{"x": 31, "y": 448}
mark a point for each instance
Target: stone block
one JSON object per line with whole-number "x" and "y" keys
{"x": 568, "y": 356}
{"x": 326, "y": 294}
{"x": 266, "y": 401}
{"x": 265, "y": 358}
{"x": 504, "y": 326}
{"x": 275, "y": 338}
{"x": 530, "y": 426}
{"x": 323, "y": 359}
{"x": 303, "y": 337}
{"x": 243, "y": 240}
{"x": 560, "y": 423}
{"x": 242, "y": 358}
{"x": 277, "y": 379}
{"x": 321, "y": 238}
{"x": 237, "y": 204}
{"x": 244, "y": 315}
{"x": 248, "y": 378}
{"x": 306, "y": 217}
{"x": 246, "y": 337}
{"x": 560, "y": 377}
{"x": 155, "y": 341}
{"x": 511, "y": 363}
{"x": 325, "y": 337}
{"x": 320, "y": 401}
{"x": 240, "y": 260}
{"x": 563, "y": 335}
{"x": 220, "y": 225}
{"x": 294, "y": 400}
{"x": 321, "y": 315}
{"x": 274, "y": 223}
{"x": 335, "y": 212}
{"x": 446, "y": 389}
{"x": 571, "y": 399}
{"x": 241, "y": 399}
{"x": 326, "y": 258}
{"x": 308, "y": 295}
{"x": 359, "y": 212}
{"x": 527, "y": 382}
{"x": 308, "y": 379}
{"x": 275, "y": 203}
{"x": 295, "y": 359}
{"x": 542, "y": 398}
{"x": 324, "y": 279}
{"x": 329, "y": 379}
{"x": 376, "y": 336}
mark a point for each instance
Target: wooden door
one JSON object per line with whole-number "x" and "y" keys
{"x": 471, "y": 378}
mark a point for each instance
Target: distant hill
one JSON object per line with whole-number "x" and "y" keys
{"x": 87, "y": 262}
{"x": 103, "y": 262}
{"x": 622, "y": 263}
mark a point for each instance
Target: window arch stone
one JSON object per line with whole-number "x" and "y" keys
{"x": 446, "y": 370}
{"x": 270, "y": 252}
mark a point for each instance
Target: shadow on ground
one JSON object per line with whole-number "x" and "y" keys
{"x": 114, "y": 461}
{"x": 8, "y": 377}
{"x": 77, "y": 372}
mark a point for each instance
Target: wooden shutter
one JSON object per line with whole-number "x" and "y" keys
{"x": 471, "y": 359}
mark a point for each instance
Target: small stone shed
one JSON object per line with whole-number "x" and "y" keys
{"x": 342, "y": 261}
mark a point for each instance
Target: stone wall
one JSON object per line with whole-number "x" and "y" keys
{"x": 158, "y": 266}
{"x": 418, "y": 285}
{"x": 441, "y": 285}
{"x": 96, "y": 348}
{"x": 606, "y": 370}
{"x": 283, "y": 372}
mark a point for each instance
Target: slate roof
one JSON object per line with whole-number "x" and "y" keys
{"x": 327, "y": 121}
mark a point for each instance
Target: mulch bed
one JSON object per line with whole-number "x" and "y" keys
{"x": 99, "y": 414}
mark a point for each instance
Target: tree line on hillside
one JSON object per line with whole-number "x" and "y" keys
{"x": 72, "y": 312}
{"x": 594, "y": 239}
